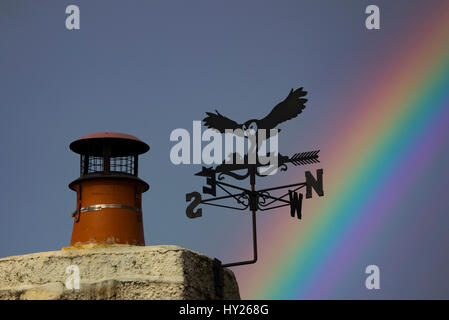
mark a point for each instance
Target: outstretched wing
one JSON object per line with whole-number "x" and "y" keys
{"x": 219, "y": 122}
{"x": 285, "y": 110}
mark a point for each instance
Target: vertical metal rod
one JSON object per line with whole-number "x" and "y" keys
{"x": 85, "y": 158}
{"x": 254, "y": 230}
{"x": 254, "y": 260}
{"x": 136, "y": 164}
{"x": 106, "y": 158}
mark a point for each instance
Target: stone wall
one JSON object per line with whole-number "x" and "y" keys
{"x": 114, "y": 272}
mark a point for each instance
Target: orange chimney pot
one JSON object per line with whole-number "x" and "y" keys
{"x": 109, "y": 192}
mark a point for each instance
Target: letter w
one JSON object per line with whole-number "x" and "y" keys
{"x": 295, "y": 203}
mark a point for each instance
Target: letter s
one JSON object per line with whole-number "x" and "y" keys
{"x": 196, "y": 201}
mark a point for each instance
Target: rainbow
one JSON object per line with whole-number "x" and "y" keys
{"x": 401, "y": 124}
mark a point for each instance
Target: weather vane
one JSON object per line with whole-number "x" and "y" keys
{"x": 250, "y": 165}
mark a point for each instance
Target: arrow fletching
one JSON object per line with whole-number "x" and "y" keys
{"x": 303, "y": 158}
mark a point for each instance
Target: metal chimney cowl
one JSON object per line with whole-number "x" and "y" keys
{"x": 109, "y": 192}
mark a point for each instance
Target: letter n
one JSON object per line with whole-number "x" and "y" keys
{"x": 316, "y": 184}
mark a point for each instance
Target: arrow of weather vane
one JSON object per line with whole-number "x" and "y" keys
{"x": 252, "y": 199}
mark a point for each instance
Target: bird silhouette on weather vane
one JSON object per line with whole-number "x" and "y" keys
{"x": 256, "y": 200}
{"x": 283, "y": 111}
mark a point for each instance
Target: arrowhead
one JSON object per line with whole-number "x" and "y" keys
{"x": 205, "y": 172}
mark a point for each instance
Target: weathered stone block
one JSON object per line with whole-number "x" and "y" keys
{"x": 115, "y": 272}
